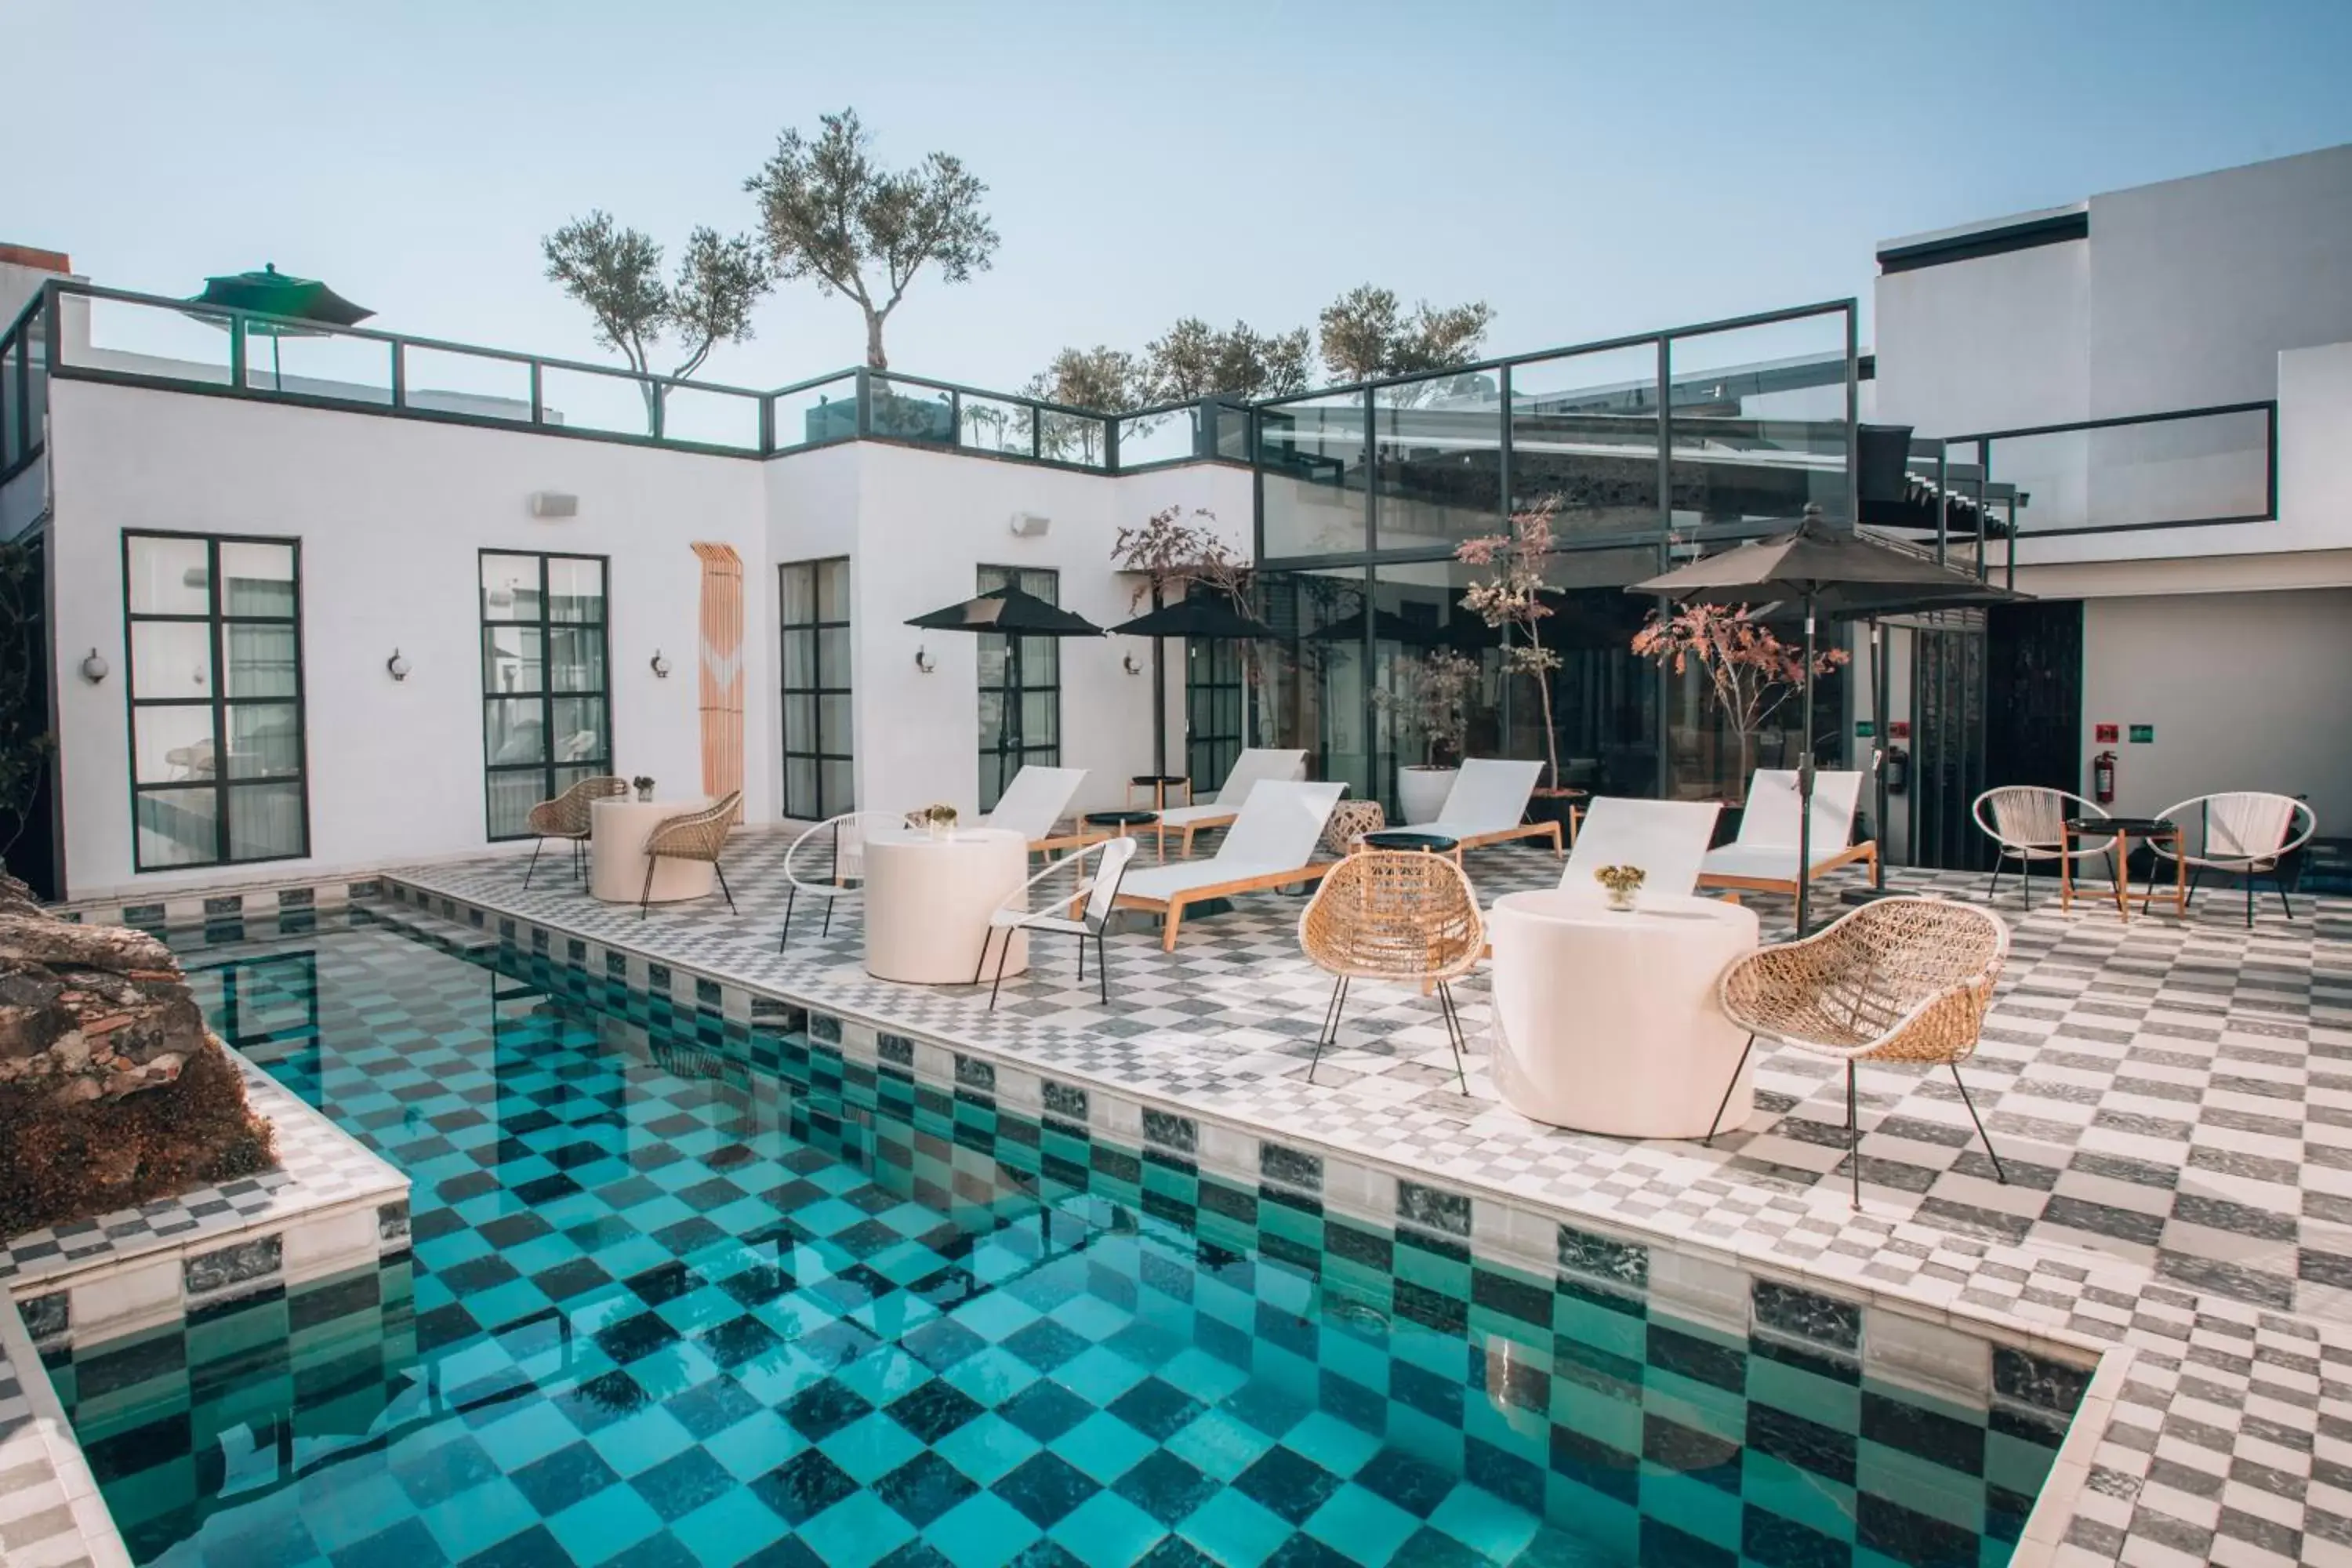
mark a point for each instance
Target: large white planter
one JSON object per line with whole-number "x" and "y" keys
{"x": 1422, "y": 792}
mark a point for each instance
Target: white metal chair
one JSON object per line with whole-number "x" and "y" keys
{"x": 1255, "y": 765}
{"x": 2242, "y": 833}
{"x": 842, "y": 840}
{"x": 2028, "y": 822}
{"x": 1488, "y": 804}
{"x": 1763, "y": 859}
{"x": 1092, "y": 898}
{"x": 1035, "y": 801}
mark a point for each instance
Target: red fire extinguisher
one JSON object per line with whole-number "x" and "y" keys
{"x": 2102, "y": 778}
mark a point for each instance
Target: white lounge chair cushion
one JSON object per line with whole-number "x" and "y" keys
{"x": 1490, "y": 795}
{"x": 1667, "y": 838}
{"x": 1183, "y": 816}
{"x": 1771, "y": 814}
{"x": 1276, "y": 832}
{"x": 1157, "y": 882}
{"x": 1765, "y": 862}
{"x": 1255, "y": 765}
{"x": 1035, "y": 800}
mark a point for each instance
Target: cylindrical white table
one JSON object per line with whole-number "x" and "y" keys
{"x": 617, "y": 832}
{"x": 1606, "y": 1020}
{"x": 928, "y": 902}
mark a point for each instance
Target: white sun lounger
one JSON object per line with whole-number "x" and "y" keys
{"x": 1667, "y": 838}
{"x": 1252, "y": 767}
{"x": 1763, "y": 859}
{"x": 1033, "y": 802}
{"x": 1271, "y": 844}
{"x": 1488, "y": 804}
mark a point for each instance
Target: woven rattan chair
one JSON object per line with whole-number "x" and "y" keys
{"x": 567, "y": 816}
{"x": 2245, "y": 834}
{"x": 2028, "y": 822}
{"x": 1901, "y": 980}
{"x": 692, "y": 835}
{"x": 1393, "y": 915}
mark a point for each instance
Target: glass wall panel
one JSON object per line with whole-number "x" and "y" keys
{"x": 826, "y": 412}
{"x": 1438, "y": 447}
{"x": 134, "y": 338}
{"x": 2123, "y": 476}
{"x": 455, "y": 382}
{"x": 318, "y": 364}
{"x": 910, "y": 411}
{"x": 1757, "y": 426}
{"x": 1172, "y": 436}
{"x": 997, "y": 425}
{"x": 1312, "y": 467}
{"x": 713, "y": 417}
{"x": 1073, "y": 439}
{"x": 819, "y": 742}
{"x": 1316, "y": 691}
{"x": 546, "y": 709}
{"x": 589, "y": 400}
{"x": 202, "y": 744}
{"x": 1584, "y": 434}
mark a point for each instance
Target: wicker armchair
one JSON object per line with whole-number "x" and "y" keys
{"x": 567, "y": 816}
{"x": 692, "y": 835}
{"x": 1901, "y": 980}
{"x": 1393, "y": 915}
{"x": 2028, "y": 822}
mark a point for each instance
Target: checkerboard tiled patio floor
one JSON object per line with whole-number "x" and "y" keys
{"x": 2166, "y": 1095}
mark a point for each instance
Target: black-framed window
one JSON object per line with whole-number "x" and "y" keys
{"x": 820, "y": 739}
{"x": 1215, "y": 698}
{"x": 1020, "y": 689}
{"x": 547, "y": 711}
{"x": 215, "y": 626}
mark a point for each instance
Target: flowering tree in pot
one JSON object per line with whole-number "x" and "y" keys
{"x": 1749, "y": 672}
{"x": 1509, "y": 599}
{"x": 1434, "y": 705}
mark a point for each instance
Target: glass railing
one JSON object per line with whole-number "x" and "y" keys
{"x": 24, "y": 389}
{"x": 2187, "y": 469}
{"x": 107, "y": 334}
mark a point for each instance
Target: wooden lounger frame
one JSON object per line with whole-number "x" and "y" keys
{"x": 1865, "y": 850}
{"x": 1172, "y": 907}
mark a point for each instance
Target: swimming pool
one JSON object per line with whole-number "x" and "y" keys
{"x": 686, "y": 1290}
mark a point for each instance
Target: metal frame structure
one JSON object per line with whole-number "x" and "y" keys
{"x": 216, "y": 620}
{"x": 1046, "y": 582}
{"x": 815, "y": 691}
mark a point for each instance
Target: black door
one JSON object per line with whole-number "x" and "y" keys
{"x": 28, "y": 815}
{"x": 2034, "y": 678}
{"x": 1948, "y": 751}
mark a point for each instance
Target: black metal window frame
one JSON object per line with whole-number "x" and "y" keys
{"x": 998, "y": 760}
{"x": 546, "y": 766}
{"x": 217, "y": 622}
{"x": 1215, "y": 685}
{"x": 821, "y": 749}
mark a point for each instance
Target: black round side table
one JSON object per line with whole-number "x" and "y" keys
{"x": 1159, "y": 784}
{"x": 1411, "y": 839}
{"x": 1123, "y": 824}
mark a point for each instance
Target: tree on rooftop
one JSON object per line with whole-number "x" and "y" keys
{"x": 1102, "y": 378}
{"x": 830, "y": 213}
{"x": 616, "y": 273}
{"x": 1192, "y": 360}
{"x": 1368, "y": 335}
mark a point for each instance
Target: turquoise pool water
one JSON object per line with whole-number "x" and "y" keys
{"x": 684, "y": 1291}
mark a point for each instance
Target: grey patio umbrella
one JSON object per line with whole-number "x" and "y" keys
{"x": 1016, "y": 614}
{"x": 295, "y": 308}
{"x": 1823, "y": 568}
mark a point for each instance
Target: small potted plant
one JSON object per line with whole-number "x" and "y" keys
{"x": 1436, "y": 705}
{"x": 940, "y": 819}
{"x": 644, "y": 786}
{"x": 1621, "y": 882}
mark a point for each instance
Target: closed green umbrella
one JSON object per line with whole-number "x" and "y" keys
{"x": 294, "y": 308}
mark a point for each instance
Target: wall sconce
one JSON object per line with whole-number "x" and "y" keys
{"x": 94, "y": 668}
{"x": 396, "y": 666}
{"x": 924, "y": 662}
{"x": 1127, "y": 662}
{"x": 659, "y": 666}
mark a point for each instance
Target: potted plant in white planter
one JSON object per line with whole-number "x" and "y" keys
{"x": 1436, "y": 706}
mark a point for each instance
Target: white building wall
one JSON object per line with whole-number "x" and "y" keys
{"x": 390, "y": 514}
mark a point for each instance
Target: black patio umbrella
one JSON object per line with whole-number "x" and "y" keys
{"x": 1196, "y": 617}
{"x": 1016, "y": 614}
{"x": 297, "y": 308}
{"x": 1823, "y": 568}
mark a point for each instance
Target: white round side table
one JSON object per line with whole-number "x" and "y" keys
{"x": 618, "y": 829}
{"x": 1606, "y": 1020}
{"x": 928, "y": 902}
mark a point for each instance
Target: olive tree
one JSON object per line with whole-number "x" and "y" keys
{"x": 616, "y": 273}
{"x": 828, "y": 212}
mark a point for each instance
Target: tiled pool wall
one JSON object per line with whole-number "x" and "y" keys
{"x": 201, "y": 907}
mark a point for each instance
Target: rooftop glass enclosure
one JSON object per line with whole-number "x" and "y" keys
{"x": 1649, "y": 449}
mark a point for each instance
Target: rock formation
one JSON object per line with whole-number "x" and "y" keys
{"x": 111, "y": 1090}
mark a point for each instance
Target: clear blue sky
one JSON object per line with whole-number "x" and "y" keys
{"x": 1587, "y": 169}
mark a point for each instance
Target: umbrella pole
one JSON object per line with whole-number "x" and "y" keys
{"x": 1805, "y": 786}
{"x": 1159, "y": 699}
{"x": 277, "y": 373}
{"x": 1879, "y": 685}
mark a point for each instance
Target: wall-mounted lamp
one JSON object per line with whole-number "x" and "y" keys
{"x": 396, "y": 666}
{"x": 94, "y": 668}
{"x": 924, "y": 662}
{"x": 659, "y": 666}
{"x": 1127, "y": 662}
